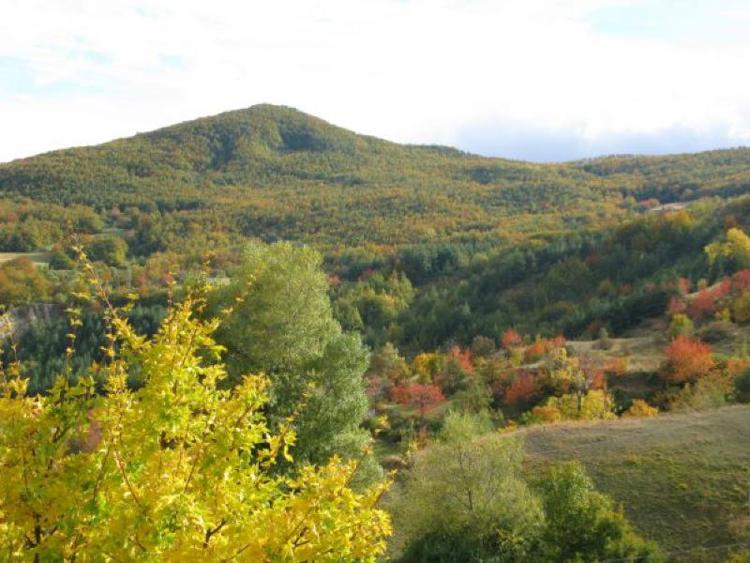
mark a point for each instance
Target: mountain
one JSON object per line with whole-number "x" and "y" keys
{"x": 276, "y": 173}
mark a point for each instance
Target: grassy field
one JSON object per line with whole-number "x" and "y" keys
{"x": 36, "y": 257}
{"x": 641, "y": 353}
{"x": 682, "y": 479}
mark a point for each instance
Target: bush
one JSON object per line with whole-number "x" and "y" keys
{"x": 21, "y": 282}
{"x": 742, "y": 386}
{"x": 687, "y": 360}
{"x": 717, "y": 331}
{"x": 604, "y": 342}
{"x": 109, "y": 249}
{"x": 706, "y": 393}
{"x": 681, "y": 325}
{"x": 640, "y": 409}
{"x": 582, "y": 524}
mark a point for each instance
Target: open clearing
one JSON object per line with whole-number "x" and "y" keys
{"x": 36, "y": 257}
{"x": 683, "y": 479}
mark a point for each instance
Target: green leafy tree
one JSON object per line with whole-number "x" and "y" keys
{"x": 583, "y": 524}
{"x": 681, "y": 325}
{"x": 281, "y": 324}
{"x": 465, "y": 500}
{"x": 111, "y": 250}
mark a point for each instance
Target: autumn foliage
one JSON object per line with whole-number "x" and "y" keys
{"x": 423, "y": 397}
{"x": 510, "y": 339}
{"x": 706, "y": 302}
{"x": 462, "y": 358}
{"x": 521, "y": 390}
{"x": 180, "y": 469}
{"x": 687, "y": 359}
{"x": 542, "y": 346}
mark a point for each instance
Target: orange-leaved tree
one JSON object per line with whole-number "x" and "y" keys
{"x": 687, "y": 359}
{"x": 423, "y": 397}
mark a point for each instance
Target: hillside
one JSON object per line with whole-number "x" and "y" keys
{"x": 275, "y": 173}
{"x": 682, "y": 478}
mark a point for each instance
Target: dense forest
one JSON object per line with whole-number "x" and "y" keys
{"x": 375, "y": 324}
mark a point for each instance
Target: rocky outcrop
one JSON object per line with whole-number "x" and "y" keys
{"x": 18, "y": 320}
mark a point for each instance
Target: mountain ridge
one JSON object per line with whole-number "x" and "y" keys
{"x": 287, "y": 112}
{"x": 275, "y": 172}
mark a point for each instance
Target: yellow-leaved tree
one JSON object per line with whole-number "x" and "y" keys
{"x": 177, "y": 469}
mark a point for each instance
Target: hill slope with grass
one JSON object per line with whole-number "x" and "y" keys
{"x": 682, "y": 478}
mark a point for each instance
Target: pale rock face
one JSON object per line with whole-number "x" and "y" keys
{"x": 18, "y": 320}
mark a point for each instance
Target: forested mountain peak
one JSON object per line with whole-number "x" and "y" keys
{"x": 264, "y": 127}
{"x": 275, "y": 172}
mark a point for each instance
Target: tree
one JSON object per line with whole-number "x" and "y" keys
{"x": 736, "y": 247}
{"x": 522, "y": 390}
{"x": 109, "y": 249}
{"x": 483, "y": 347}
{"x": 21, "y": 282}
{"x": 388, "y": 363}
{"x": 592, "y": 405}
{"x": 281, "y": 324}
{"x": 510, "y": 339}
{"x": 179, "y": 469}
{"x": 564, "y": 373}
{"x": 475, "y": 399}
{"x": 422, "y": 397}
{"x": 687, "y": 360}
{"x": 582, "y": 524}
{"x": 681, "y": 325}
{"x": 464, "y": 499}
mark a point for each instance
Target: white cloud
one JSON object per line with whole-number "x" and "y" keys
{"x": 416, "y": 71}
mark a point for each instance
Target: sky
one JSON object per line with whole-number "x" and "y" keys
{"x": 541, "y": 80}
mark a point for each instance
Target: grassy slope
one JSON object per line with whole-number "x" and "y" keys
{"x": 682, "y": 478}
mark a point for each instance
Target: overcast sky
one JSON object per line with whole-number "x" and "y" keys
{"x": 531, "y": 79}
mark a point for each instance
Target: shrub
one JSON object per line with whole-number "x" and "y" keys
{"x": 717, "y": 331}
{"x": 681, "y": 325}
{"x": 709, "y": 392}
{"x": 604, "y": 342}
{"x": 510, "y": 339}
{"x": 582, "y": 524}
{"x": 522, "y": 390}
{"x": 640, "y": 409}
{"x": 542, "y": 346}
{"x": 687, "y": 360}
{"x": 21, "y": 282}
{"x": 546, "y": 414}
{"x": 742, "y": 386}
